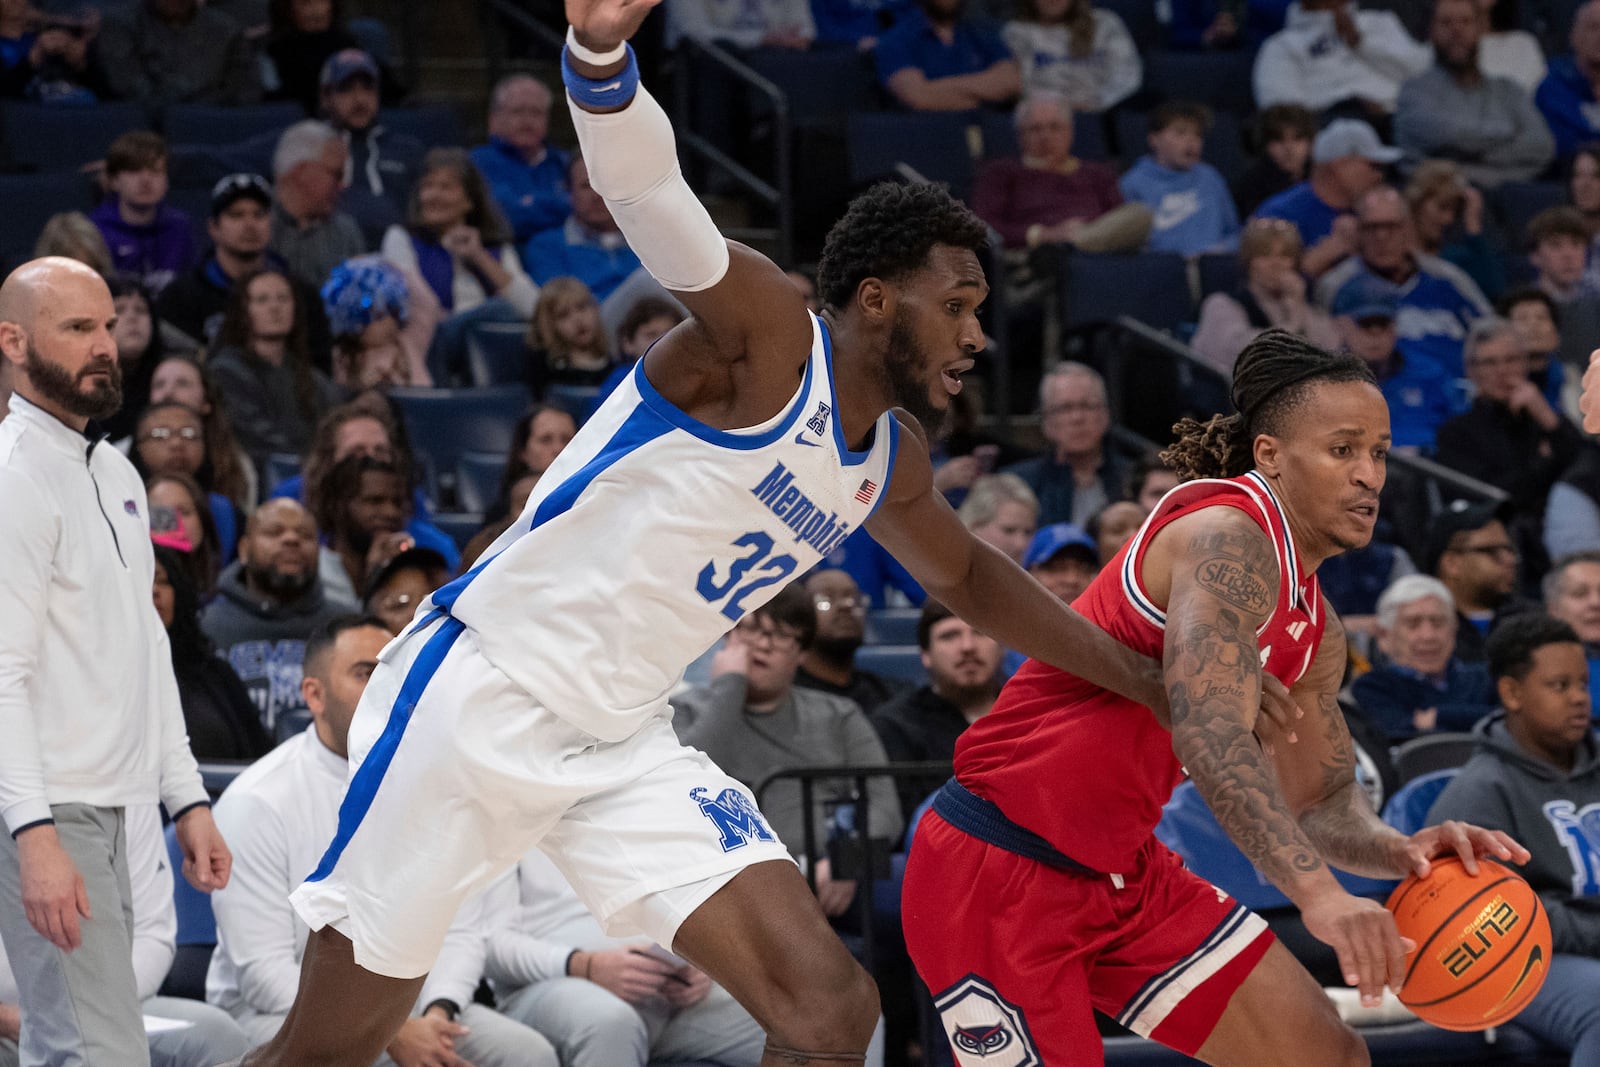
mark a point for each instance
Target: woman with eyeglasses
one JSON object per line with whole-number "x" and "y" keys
{"x": 169, "y": 438}
{"x": 1271, "y": 295}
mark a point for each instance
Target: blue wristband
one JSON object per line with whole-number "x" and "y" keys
{"x": 614, "y": 91}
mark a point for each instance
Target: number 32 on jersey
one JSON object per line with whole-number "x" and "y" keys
{"x": 756, "y": 569}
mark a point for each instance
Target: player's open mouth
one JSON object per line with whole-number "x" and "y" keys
{"x": 1368, "y": 512}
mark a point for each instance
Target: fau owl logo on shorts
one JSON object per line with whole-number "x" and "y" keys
{"x": 735, "y": 816}
{"x": 984, "y": 1028}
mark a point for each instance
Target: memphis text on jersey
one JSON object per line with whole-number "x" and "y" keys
{"x": 820, "y": 529}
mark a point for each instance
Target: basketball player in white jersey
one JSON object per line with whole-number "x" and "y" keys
{"x": 527, "y": 704}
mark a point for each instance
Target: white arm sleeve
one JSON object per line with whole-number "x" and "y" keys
{"x": 633, "y": 164}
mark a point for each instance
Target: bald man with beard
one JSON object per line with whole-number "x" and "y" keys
{"x": 89, "y": 707}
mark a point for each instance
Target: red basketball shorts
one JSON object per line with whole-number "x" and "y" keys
{"x": 1017, "y": 953}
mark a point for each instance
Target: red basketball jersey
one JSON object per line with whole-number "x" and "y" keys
{"x": 1089, "y": 770}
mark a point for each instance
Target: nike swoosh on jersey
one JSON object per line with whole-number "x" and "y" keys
{"x": 801, "y": 439}
{"x": 608, "y": 88}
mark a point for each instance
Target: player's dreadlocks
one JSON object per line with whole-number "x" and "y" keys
{"x": 887, "y": 233}
{"x": 1271, "y": 379}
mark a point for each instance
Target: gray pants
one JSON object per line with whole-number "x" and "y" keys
{"x": 495, "y": 1040}
{"x": 214, "y": 1038}
{"x": 79, "y": 1008}
{"x": 593, "y": 1027}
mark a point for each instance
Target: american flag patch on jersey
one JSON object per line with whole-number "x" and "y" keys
{"x": 868, "y": 487}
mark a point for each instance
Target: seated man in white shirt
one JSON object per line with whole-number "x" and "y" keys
{"x": 197, "y": 1034}
{"x": 282, "y": 812}
{"x": 604, "y": 1002}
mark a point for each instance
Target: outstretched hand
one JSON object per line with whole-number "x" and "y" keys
{"x": 603, "y": 24}
{"x": 1465, "y": 840}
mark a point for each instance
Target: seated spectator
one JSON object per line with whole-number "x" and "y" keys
{"x": 74, "y": 235}
{"x": 367, "y": 426}
{"x": 240, "y": 227}
{"x": 603, "y": 1001}
{"x": 139, "y": 349}
{"x": 1511, "y": 437}
{"x": 1486, "y": 125}
{"x": 1571, "y": 593}
{"x": 279, "y": 816}
{"x": 1271, "y": 295}
{"x": 589, "y": 246}
{"x": 1506, "y": 51}
{"x": 1566, "y": 97}
{"x": 170, "y": 438}
{"x": 267, "y": 605}
{"x": 516, "y": 499}
{"x": 1081, "y": 52}
{"x": 380, "y": 164}
{"x": 308, "y": 230}
{"x": 1345, "y": 161}
{"x": 1206, "y": 24}
{"x": 146, "y": 237}
{"x": 262, "y": 365}
{"x": 46, "y": 57}
{"x": 1077, "y": 474}
{"x": 752, "y": 721}
{"x": 1447, "y": 221}
{"x": 1558, "y": 246}
{"x": 1572, "y": 511}
{"x": 856, "y": 23}
{"x": 1049, "y": 196}
{"x": 1417, "y": 389}
{"x": 1438, "y": 302}
{"x": 1148, "y": 481}
{"x": 301, "y": 38}
{"x": 537, "y": 439}
{"x": 1282, "y": 138}
{"x": 1355, "y": 579}
{"x": 361, "y": 505}
{"x": 1421, "y": 686}
{"x": 937, "y": 58}
{"x": 1114, "y": 526}
{"x": 1329, "y": 53}
{"x": 1536, "y": 776}
{"x": 527, "y": 176}
{"x": 205, "y": 1035}
{"x": 395, "y": 590}
{"x": 1583, "y": 190}
{"x": 743, "y": 24}
{"x": 646, "y": 321}
{"x": 1063, "y": 558}
{"x": 1532, "y": 314}
{"x": 162, "y": 52}
{"x": 1002, "y": 511}
{"x": 1470, "y": 550}
{"x": 1187, "y": 197}
{"x": 568, "y": 345}
{"x": 181, "y": 497}
{"x": 963, "y": 668}
{"x": 382, "y": 325}
{"x": 829, "y": 664}
{"x": 179, "y": 378}
{"x": 222, "y": 720}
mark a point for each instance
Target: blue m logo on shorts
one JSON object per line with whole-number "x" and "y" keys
{"x": 735, "y": 816}
{"x": 1579, "y": 830}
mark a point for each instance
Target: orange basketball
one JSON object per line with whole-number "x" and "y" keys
{"x": 1483, "y": 944}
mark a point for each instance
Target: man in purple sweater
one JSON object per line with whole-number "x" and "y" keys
{"x": 147, "y": 238}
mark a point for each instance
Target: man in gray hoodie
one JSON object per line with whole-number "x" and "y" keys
{"x": 1536, "y": 775}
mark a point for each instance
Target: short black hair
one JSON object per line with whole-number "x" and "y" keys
{"x": 1510, "y": 648}
{"x": 795, "y": 608}
{"x": 320, "y": 644}
{"x": 1281, "y": 120}
{"x": 933, "y": 613}
{"x": 1527, "y": 294}
{"x": 1146, "y": 465}
{"x": 888, "y": 231}
{"x": 1172, "y": 111}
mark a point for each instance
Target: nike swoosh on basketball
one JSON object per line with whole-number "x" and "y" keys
{"x": 801, "y": 439}
{"x": 1535, "y": 959}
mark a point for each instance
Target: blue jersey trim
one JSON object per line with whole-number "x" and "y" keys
{"x": 675, "y": 415}
{"x": 888, "y": 468}
{"x": 846, "y": 456}
{"x": 364, "y": 786}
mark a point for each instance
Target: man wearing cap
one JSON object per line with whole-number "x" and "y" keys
{"x": 1417, "y": 389}
{"x": 1329, "y": 53}
{"x": 1346, "y": 158}
{"x": 527, "y": 176}
{"x": 1487, "y": 125}
{"x": 1438, "y": 301}
{"x": 1471, "y": 551}
{"x": 308, "y": 229}
{"x": 380, "y": 165}
{"x": 1567, "y": 95}
{"x": 1064, "y": 559}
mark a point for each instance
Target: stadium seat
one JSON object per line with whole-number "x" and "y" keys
{"x": 1516, "y": 203}
{"x": 280, "y": 467}
{"x": 444, "y": 423}
{"x": 821, "y": 84}
{"x": 1220, "y": 272}
{"x": 478, "y": 479}
{"x": 893, "y": 626}
{"x": 459, "y": 525}
{"x": 1433, "y": 752}
{"x": 497, "y": 353}
{"x": 435, "y": 125}
{"x": 208, "y": 124}
{"x": 575, "y": 400}
{"x": 30, "y": 200}
{"x": 291, "y": 723}
{"x": 1221, "y": 80}
{"x": 1140, "y": 18}
{"x": 1407, "y": 810}
{"x": 197, "y": 930}
{"x": 937, "y": 143}
{"x": 217, "y": 775}
{"x": 893, "y": 661}
{"x": 44, "y": 138}
{"x": 1152, "y": 287}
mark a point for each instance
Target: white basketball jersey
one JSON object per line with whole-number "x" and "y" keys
{"x": 652, "y": 534}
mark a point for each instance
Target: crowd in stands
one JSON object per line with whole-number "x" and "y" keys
{"x": 1421, "y": 190}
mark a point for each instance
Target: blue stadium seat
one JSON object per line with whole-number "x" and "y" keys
{"x": 217, "y": 775}
{"x": 280, "y": 467}
{"x": 1152, "y": 287}
{"x": 893, "y": 661}
{"x": 497, "y": 353}
{"x": 1220, "y": 272}
{"x": 209, "y": 124}
{"x": 1219, "y": 79}
{"x": 575, "y": 400}
{"x": 194, "y": 201}
{"x": 435, "y": 125}
{"x": 821, "y": 84}
{"x": 478, "y": 479}
{"x": 893, "y": 626}
{"x": 30, "y": 200}
{"x": 1516, "y": 203}
{"x": 197, "y": 930}
{"x": 41, "y": 137}
{"x": 1407, "y": 810}
{"x": 444, "y": 423}
{"x": 291, "y": 723}
{"x": 1433, "y": 752}
{"x": 1140, "y": 18}
{"x": 936, "y": 143}
{"x": 459, "y": 525}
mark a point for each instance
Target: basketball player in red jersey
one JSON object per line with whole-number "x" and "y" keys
{"x": 1035, "y": 889}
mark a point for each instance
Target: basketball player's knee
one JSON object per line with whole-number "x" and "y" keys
{"x": 1352, "y": 1049}
{"x": 831, "y": 1008}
